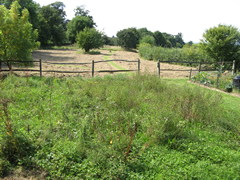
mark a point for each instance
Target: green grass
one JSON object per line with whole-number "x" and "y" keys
{"x": 112, "y": 63}
{"x": 60, "y": 47}
{"x": 118, "y": 127}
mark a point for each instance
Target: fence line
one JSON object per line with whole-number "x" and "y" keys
{"x": 55, "y": 71}
{"x": 199, "y": 66}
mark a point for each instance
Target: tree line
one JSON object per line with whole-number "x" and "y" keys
{"x": 131, "y": 37}
{"x": 51, "y": 22}
{"x": 53, "y": 26}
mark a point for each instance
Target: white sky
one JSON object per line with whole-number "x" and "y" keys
{"x": 190, "y": 17}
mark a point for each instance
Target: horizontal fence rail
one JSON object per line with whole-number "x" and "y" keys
{"x": 56, "y": 71}
{"x": 192, "y": 62}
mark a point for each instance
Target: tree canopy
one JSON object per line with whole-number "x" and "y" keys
{"x": 148, "y": 39}
{"x": 17, "y": 37}
{"x": 53, "y": 16}
{"x": 222, "y": 43}
{"x": 128, "y": 38}
{"x": 32, "y": 8}
{"x": 76, "y": 25}
{"x": 89, "y": 38}
{"x": 160, "y": 39}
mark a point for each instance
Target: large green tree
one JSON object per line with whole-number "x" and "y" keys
{"x": 53, "y": 16}
{"x": 89, "y": 38}
{"x": 161, "y": 40}
{"x": 128, "y": 38}
{"x": 76, "y": 25}
{"x": 148, "y": 39}
{"x": 179, "y": 39}
{"x": 17, "y": 38}
{"x": 144, "y": 32}
{"x": 222, "y": 43}
{"x": 171, "y": 41}
{"x": 80, "y": 11}
{"x": 32, "y": 8}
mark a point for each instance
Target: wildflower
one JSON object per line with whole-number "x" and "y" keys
{"x": 111, "y": 142}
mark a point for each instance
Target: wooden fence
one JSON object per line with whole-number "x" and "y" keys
{"x": 199, "y": 66}
{"x": 55, "y": 71}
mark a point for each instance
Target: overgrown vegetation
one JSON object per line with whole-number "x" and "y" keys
{"x": 223, "y": 81}
{"x": 17, "y": 38}
{"x": 119, "y": 127}
{"x": 189, "y": 54}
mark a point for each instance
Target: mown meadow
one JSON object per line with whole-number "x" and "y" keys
{"x": 118, "y": 127}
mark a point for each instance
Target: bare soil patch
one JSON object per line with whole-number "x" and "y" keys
{"x": 71, "y": 56}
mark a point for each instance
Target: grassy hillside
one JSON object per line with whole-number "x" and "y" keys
{"x": 119, "y": 127}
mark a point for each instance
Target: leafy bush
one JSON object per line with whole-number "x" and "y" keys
{"x": 89, "y": 39}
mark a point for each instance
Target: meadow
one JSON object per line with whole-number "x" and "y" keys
{"x": 118, "y": 127}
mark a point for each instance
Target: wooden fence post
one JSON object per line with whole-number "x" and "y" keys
{"x": 158, "y": 65}
{"x": 233, "y": 68}
{"x": 199, "y": 68}
{"x": 138, "y": 65}
{"x": 190, "y": 75}
{"x": 40, "y": 66}
{"x": 93, "y": 68}
{"x": 217, "y": 79}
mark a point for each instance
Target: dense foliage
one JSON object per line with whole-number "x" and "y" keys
{"x": 54, "y": 17}
{"x": 119, "y": 127}
{"x": 128, "y": 38}
{"x": 32, "y": 8}
{"x": 89, "y": 38}
{"x": 17, "y": 38}
{"x": 222, "y": 43}
{"x": 187, "y": 53}
{"x": 76, "y": 25}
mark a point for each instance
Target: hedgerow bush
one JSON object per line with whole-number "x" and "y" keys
{"x": 173, "y": 54}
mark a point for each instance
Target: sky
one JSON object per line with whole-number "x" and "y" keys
{"x": 190, "y": 17}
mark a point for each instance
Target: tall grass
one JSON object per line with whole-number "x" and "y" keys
{"x": 117, "y": 127}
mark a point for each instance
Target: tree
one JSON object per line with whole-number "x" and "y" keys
{"x": 54, "y": 16}
{"x": 89, "y": 38}
{"x": 148, "y": 39}
{"x": 16, "y": 35}
{"x": 222, "y": 43}
{"x": 161, "y": 40}
{"x": 179, "y": 40}
{"x": 128, "y": 38}
{"x": 78, "y": 24}
{"x": 80, "y": 11}
{"x": 170, "y": 38}
{"x": 44, "y": 31}
{"x": 190, "y": 43}
{"x": 144, "y": 32}
{"x": 32, "y": 8}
